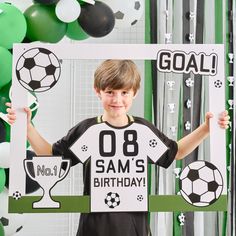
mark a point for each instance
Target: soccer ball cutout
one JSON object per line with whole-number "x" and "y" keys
{"x": 201, "y": 183}
{"x": 38, "y": 69}
{"x": 16, "y": 195}
{"x": 126, "y": 13}
{"x": 112, "y": 200}
{"x": 218, "y": 83}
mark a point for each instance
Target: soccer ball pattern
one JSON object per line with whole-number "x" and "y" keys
{"x": 188, "y": 104}
{"x": 189, "y": 82}
{"x": 152, "y": 143}
{"x": 84, "y": 148}
{"x": 201, "y": 183}
{"x": 126, "y": 14}
{"x": 140, "y": 198}
{"x": 112, "y": 200}
{"x": 38, "y": 69}
{"x": 218, "y": 83}
{"x": 6, "y": 223}
{"x": 187, "y": 125}
{"x": 16, "y": 195}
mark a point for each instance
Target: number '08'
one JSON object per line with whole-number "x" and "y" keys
{"x": 130, "y": 145}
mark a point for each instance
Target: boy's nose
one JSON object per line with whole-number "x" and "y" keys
{"x": 117, "y": 97}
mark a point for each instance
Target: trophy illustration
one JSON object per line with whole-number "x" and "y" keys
{"x": 47, "y": 171}
{"x": 231, "y": 57}
{"x": 231, "y": 104}
{"x": 171, "y": 107}
{"x": 231, "y": 80}
{"x": 170, "y": 84}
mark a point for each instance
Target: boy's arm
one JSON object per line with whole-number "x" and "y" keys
{"x": 37, "y": 142}
{"x": 187, "y": 144}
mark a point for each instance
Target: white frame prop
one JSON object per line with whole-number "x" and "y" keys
{"x": 206, "y": 56}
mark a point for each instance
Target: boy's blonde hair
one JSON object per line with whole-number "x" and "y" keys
{"x": 117, "y": 74}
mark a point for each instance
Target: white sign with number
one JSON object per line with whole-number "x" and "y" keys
{"x": 119, "y": 164}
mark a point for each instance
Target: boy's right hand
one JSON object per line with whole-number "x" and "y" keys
{"x": 11, "y": 114}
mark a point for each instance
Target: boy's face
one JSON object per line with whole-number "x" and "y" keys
{"x": 116, "y": 102}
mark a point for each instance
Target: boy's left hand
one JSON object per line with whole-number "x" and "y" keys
{"x": 223, "y": 119}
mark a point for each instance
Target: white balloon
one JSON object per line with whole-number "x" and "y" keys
{"x": 14, "y": 221}
{"x": 68, "y": 10}
{"x": 4, "y": 155}
{"x": 127, "y": 13}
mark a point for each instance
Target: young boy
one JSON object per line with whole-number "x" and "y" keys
{"x": 116, "y": 84}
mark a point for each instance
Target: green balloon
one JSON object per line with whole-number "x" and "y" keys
{"x": 43, "y": 24}
{"x": 4, "y": 97}
{"x": 5, "y": 65}
{"x": 2, "y": 233}
{"x": 2, "y": 180}
{"x": 74, "y": 31}
{"x": 12, "y": 25}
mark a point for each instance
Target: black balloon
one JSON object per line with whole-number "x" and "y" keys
{"x": 46, "y": 2}
{"x": 96, "y": 20}
{"x": 2, "y": 131}
{"x": 31, "y": 185}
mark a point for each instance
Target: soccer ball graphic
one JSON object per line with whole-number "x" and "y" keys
{"x": 218, "y": 83}
{"x": 201, "y": 183}
{"x": 16, "y": 195}
{"x": 152, "y": 143}
{"x": 126, "y": 13}
{"x": 112, "y": 200}
{"x": 38, "y": 69}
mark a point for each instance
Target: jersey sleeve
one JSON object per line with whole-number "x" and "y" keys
{"x": 83, "y": 146}
{"x": 62, "y": 146}
{"x": 168, "y": 156}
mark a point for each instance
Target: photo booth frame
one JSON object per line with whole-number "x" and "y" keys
{"x": 201, "y": 59}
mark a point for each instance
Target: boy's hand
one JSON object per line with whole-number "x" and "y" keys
{"x": 11, "y": 114}
{"x": 223, "y": 119}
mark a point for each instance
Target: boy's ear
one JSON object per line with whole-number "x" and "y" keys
{"x": 135, "y": 95}
{"x": 97, "y": 91}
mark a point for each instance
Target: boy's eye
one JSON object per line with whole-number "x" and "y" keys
{"x": 109, "y": 92}
{"x": 125, "y": 93}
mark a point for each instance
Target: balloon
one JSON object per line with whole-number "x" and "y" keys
{"x": 12, "y": 222}
{"x": 127, "y": 14}
{"x": 8, "y": 132}
{"x": 12, "y": 25}
{"x": 43, "y": 24}
{"x": 74, "y": 31}
{"x": 4, "y": 97}
{"x": 47, "y": 2}
{"x": 2, "y": 180}
{"x": 2, "y": 131}
{"x": 96, "y": 20}
{"x": 68, "y": 10}
{"x": 2, "y": 233}
{"x": 5, "y": 65}
{"x": 5, "y": 154}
